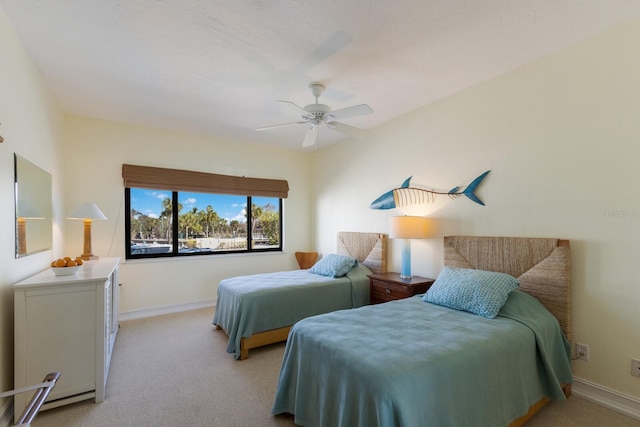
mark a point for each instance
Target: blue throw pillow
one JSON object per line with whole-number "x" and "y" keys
{"x": 334, "y": 265}
{"x": 476, "y": 291}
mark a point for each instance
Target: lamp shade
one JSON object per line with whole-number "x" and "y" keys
{"x": 408, "y": 227}
{"x": 27, "y": 210}
{"x": 87, "y": 211}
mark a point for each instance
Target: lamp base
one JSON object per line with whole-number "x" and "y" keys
{"x": 87, "y": 254}
{"x": 406, "y": 260}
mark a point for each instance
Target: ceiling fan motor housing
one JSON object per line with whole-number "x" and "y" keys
{"x": 318, "y": 114}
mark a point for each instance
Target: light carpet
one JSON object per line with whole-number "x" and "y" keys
{"x": 173, "y": 370}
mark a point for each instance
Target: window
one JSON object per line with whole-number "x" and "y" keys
{"x": 175, "y": 221}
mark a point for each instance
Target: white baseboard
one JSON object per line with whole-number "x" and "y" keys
{"x": 606, "y": 397}
{"x": 159, "y": 311}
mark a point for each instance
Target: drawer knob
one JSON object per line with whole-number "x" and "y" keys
{"x": 388, "y": 290}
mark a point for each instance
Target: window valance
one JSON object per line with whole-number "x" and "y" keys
{"x": 135, "y": 176}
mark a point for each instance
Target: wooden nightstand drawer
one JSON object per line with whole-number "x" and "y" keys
{"x": 387, "y": 290}
{"x": 385, "y": 287}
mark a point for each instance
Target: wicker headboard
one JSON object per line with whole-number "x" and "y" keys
{"x": 542, "y": 266}
{"x": 370, "y": 249}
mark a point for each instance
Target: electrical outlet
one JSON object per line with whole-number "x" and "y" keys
{"x": 635, "y": 367}
{"x": 582, "y": 352}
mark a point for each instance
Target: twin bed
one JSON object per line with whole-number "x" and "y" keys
{"x": 415, "y": 361}
{"x": 259, "y": 309}
{"x": 412, "y": 362}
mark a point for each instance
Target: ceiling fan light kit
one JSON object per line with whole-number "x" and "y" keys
{"x": 317, "y": 115}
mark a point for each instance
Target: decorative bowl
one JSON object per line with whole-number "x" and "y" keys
{"x": 66, "y": 271}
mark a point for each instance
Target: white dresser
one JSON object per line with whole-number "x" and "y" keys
{"x": 66, "y": 324}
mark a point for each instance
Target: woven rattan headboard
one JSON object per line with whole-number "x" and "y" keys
{"x": 542, "y": 266}
{"x": 370, "y": 249}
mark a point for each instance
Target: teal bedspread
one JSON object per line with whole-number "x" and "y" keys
{"x": 250, "y": 304}
{"x": 412, "y": 363}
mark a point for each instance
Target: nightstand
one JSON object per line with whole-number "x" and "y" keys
{"x": 390, "y": 286}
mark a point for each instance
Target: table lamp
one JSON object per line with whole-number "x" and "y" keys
{"x": 407, "y": 228}
{"x": 87, "y": 212}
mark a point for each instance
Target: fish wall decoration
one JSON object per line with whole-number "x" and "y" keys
{"x": 406, "y": 195}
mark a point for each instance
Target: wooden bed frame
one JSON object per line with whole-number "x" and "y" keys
{"x": 370, "y": 249}
{"x": 542, "y": 266}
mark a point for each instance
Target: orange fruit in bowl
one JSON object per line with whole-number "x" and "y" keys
{"x": 71, "y": 263}
{"x": 79, "y": 261}
{"x": 59, "y": 263}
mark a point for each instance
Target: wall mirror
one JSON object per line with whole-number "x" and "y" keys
{"x": 33, "y": 208}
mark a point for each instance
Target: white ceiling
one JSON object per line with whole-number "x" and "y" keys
{"x": 216, "y": 67}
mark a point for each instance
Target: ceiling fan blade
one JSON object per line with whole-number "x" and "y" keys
{"x": 311, "y": 138}
{"x": 280, "y": 125}
{"x": 347, "y": 129}
{"x": 356, "y": 110}
{"x": 296, "y": 107}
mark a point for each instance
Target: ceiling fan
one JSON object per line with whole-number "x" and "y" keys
{"x": 317, "y": 115}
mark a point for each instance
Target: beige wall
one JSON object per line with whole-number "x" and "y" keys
{"x": 31, "y": 125}
{"x": 95, "y": 151}
{"x": 562, "y": 139}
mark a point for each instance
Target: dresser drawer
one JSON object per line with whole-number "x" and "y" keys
{"x": 388, "y": 291}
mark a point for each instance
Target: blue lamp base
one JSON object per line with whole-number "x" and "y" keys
{"x": 406, "y": 260}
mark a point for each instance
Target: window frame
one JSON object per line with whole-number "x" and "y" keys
{"x": 175, "y": 250}
{"x": 179, "y": 180}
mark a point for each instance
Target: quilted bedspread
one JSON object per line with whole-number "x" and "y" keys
{"x": 250, "y": 304}
{"x": 412, "y": 363}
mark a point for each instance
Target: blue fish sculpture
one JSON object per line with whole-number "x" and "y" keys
{"x": 406, "y": 196}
